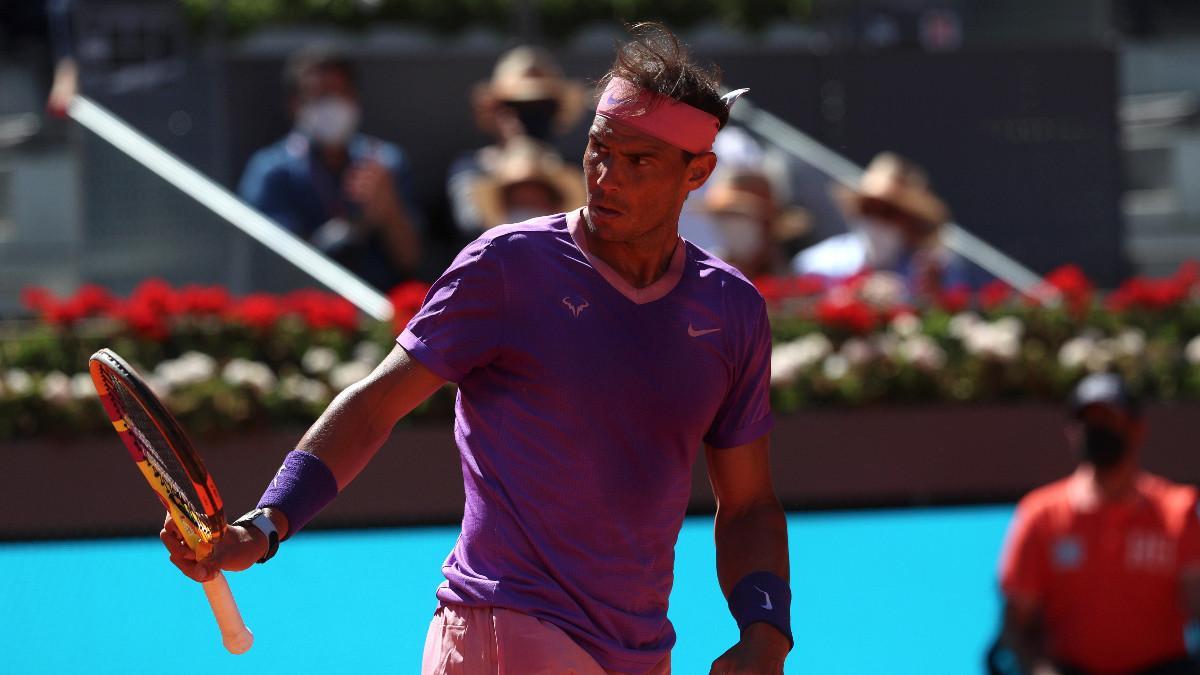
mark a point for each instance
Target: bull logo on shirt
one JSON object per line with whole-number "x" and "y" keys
{"x": 576, "y": 307}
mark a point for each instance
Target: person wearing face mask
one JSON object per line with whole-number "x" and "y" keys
{"x": 1101, "y": 570}
{"x": 527, "y": 98}
{"x": 896, "y": 224}
{"x": 750, "y": 223}
{"x": 347, "y": 193}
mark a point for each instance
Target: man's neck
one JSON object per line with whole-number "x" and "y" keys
{"x": 642, "y": 261}
{"x": 1111, "y": 484}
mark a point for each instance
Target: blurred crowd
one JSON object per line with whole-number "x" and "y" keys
{"x": 348, "y": 193}
{"x": 351, "y": 194}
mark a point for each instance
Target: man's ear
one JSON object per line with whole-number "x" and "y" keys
{"x": 699, "y": 169}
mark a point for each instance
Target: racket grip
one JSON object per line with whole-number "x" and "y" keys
{"x": 234, "y": 634}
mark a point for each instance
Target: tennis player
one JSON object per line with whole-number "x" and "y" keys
{"x": 595, "y": 352}
{"x": 1101, "y": 571}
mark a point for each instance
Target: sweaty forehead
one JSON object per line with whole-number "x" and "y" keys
{"x": 618, "y": 134}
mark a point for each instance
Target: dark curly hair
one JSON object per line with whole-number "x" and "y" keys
{"x": 656, "y": 60}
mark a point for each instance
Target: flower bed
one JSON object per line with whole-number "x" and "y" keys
{"x": 227, "y": 363}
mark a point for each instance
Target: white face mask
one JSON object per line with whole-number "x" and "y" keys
{"x": 885, "y": 244}
{"x": 742, "y": 237}
{"x": 328, "y": 121}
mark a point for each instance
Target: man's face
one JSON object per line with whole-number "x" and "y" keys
{"x": 1105, "y": 434}
{"x": 327, "y": 107}
{"x": 636, "y": 184}
{"x": 319, "y": 83}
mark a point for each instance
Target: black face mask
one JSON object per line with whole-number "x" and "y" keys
{"x": 536, "y": 117}
{"x": 1102, "y": 447}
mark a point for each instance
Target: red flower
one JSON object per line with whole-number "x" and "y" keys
{"x": 322, "y": 310}
{"x": 204, "y": 300}
{"x": 37, "y": 298}
{"x": 259, "y": 310}
{"x": 92, "y": 300}
{"x": 407, "y": 299}
{"x": 776, "y": 289}
{"x": 955, "y": 299}
{"x": 157, "y": 295}
{"x": 842, "y": 310}
{"x": 1070, "y": 282}
{"x": 144, "y": 319}
{"x": 994, "y": 294}
{"x": 1150, "y": 294}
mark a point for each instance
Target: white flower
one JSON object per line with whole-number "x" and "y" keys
{"x": 369, "y": 353}
{"x": 257, "y": 376}
{"x": 883, "y": 289}
{"x": 790, "y": 359}
{"x": 348, "y": 373}
{"x": 300, "y": 388}
{"x": 55, "y": 386}
{"x": 857, "y": 352}
{"x": 191, "y": 368}
{"x": 962, "y": 323}
{"x": 923, "y": 352}
{"x": 1000, "y": 340}
{"x": 82, "y": 387}
{"x": 1075, "y": 352}
{"x": 835, "y": 367}
{"x": 1130, "y": 342}
{"x": 1192, "y": 351}
{"x": 161, "y": 386}
{"x": 318, "y": 360}
{"x": 18, "y": 381}
{"x": 906, "y": 325}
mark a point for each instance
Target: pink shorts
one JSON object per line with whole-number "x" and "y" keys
{"x": 493, "y": 641}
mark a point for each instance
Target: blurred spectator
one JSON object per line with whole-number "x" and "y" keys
{"x": 527, "y": 97}
{"x": 896, "y": 226}
{"x": 1101, "y": 570}
{"x": 347, "y": 193}
{"x": 529, "y": 180}
{"x": 751, "y": 225}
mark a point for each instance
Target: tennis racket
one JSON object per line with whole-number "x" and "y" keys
{"x": 170, "y": 464}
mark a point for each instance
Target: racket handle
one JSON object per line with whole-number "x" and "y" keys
{"x": 234, "y": 634}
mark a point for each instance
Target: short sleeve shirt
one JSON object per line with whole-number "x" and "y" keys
{"x": 1097, "y": 571}
{"x": 582, "y": 404}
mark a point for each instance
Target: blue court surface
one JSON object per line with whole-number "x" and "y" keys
{"x": 904, "y": 591}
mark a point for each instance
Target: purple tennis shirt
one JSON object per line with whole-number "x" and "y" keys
{"x": 582, "y": 402}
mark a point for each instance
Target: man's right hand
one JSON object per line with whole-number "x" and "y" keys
{"x": 240, "y": 548}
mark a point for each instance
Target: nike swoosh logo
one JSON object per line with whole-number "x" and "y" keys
{"x": 697, "y": 333}
{"x": 767, "y": 597}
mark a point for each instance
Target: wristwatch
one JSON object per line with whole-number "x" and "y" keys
{"x": 258, "y": 518}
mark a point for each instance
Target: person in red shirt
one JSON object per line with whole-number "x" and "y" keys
{"x": 1101, "y": 570}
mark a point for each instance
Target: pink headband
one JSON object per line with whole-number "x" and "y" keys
{"x": 662, "y": 117}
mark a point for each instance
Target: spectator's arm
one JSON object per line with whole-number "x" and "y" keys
{"x": 1189, "y": 560}
{"x": 1022, "y": 634}
{"x": 1024, "y": 577}
{"x": 382, "y": 186}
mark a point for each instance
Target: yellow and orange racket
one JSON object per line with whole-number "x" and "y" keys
{"x": 170, "y": 464}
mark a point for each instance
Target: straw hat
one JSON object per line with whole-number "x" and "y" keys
{"x": 528, "y": 73}
{"x": 891, "y": 189}
{"x": 522, "y": 161}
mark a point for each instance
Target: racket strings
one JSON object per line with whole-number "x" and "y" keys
{"x": 159, "y": 453}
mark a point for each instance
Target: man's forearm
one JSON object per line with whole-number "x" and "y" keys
{"x": 751, "y": 539}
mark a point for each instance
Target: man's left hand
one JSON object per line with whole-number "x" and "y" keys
{"x": 761, "y": 651}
